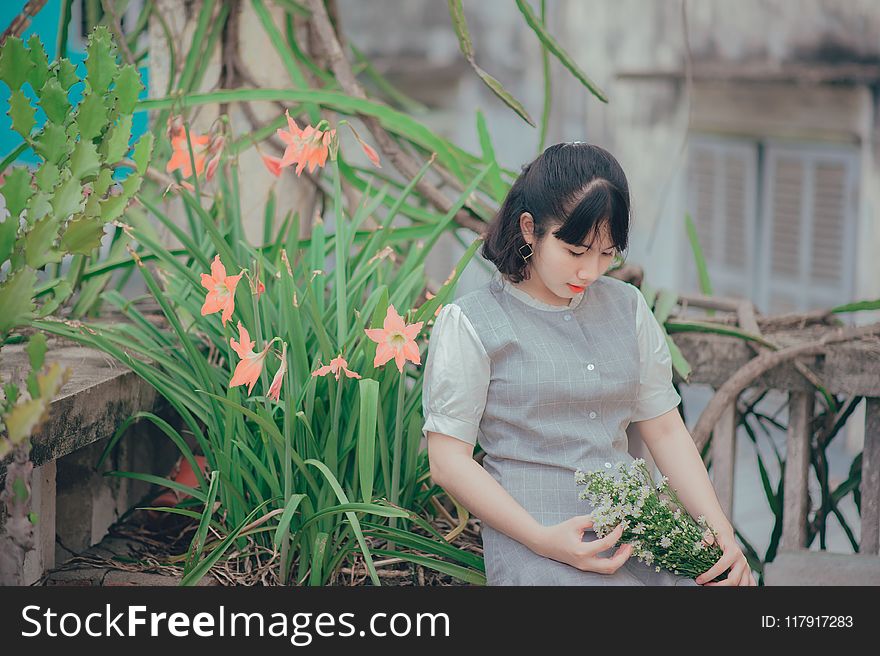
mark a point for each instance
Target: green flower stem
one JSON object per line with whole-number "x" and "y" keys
{"x": 398, "y": 446}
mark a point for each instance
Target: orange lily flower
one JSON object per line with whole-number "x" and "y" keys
{"x": 248, "y": 371}
{"x": 180, "y": 156}
{"x": 305, "y": 147}
{"x": 396, "y": 339}
{"x": 337, "y": 365}
{"x": 369, "y": 151}
{"x": 275, "y": 388}
{"x": 273, "y": 164}
{"x": 221, "y": 291}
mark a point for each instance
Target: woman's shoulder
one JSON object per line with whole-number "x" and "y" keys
{"x": 618, "y": 291}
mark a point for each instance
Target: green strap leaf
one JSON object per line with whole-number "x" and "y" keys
{"x": 467, "y": 49}
{"x": 15, "y": 63}
{"x": 286, "y": 517}
{"x": 493, "y": 177}
{"x": 368, "y": 392}
{"x": 550, "y": 43}
{"x": 22, "y": 113}
{"x": 678, "y": 360}
{"x": 53, "y": 100}
{"x": 459, "y": 24}
{"x": 699, "y": 258}
{"x": 505, "y": 95}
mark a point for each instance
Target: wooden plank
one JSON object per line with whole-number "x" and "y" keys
{"x": 724, "y": 458}
{"x": 870, "y": 487}
{"x": 822, "y": 568}
{"x": 797, "y": 469}
{"x": 845, "y": 369}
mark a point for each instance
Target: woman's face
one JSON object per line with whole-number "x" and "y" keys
{"x": 558, "y": 271}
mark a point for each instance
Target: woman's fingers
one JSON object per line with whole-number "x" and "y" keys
{"x": 725, "y": 562}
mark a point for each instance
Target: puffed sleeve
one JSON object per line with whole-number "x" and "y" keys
{"x": 657, "y": 396}
{"x": 456, "y": 377}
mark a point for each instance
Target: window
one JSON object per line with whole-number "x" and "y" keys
{"x": 776, "y": 221}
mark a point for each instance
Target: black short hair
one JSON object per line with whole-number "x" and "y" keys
{"x": 578, "y": 186}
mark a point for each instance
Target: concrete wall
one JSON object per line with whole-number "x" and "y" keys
{"x": 645, "y": 124}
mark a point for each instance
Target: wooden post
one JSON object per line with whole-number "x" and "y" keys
{"x": 797, "y": 469}
{"x": 724, "y": 458}
{"x": 870, "y": 487}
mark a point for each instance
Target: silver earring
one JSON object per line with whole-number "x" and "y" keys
{"x": 526, "y": 256}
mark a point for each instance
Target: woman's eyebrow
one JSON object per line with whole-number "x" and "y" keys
{"x": 590, "y": 246}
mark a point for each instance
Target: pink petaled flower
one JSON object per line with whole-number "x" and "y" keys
{"x": 248, "y": 371}
{"x": 221, "y": 291}
{"x": 396, "y": 339}
{"x": 305, "y": 147}
{"x": 275, "y": 387}
{"x": 336, "y": 366}
{"x": 273, "y": 164}
{"x": 180, "y": 157}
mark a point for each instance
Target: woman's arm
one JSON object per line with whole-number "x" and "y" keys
{"x": 454, "y": 469}
{"x": 676, "y": 455}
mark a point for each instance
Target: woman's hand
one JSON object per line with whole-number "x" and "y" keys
{"x": 732, "y": 557}
{"x": 564, "y": 542}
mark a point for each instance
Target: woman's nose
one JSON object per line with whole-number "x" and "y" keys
{"x": 588, "y": 274}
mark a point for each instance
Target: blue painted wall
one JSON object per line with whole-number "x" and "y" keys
{"x": 45, "y": 25}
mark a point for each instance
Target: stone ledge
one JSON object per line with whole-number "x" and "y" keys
{"x": 100, "y": 395}
{"x": 822, "y": 568}
{"x": 74, "y": 501}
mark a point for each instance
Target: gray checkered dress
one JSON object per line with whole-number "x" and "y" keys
{"x": 563, "y": 386}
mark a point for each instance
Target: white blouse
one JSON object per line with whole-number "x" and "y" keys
{"x": 457, "y": 369}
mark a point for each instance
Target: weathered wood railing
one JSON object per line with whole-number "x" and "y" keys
{"x": 848, "y": 368}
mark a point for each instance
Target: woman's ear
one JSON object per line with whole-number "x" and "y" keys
{"x": 527, "y": 226}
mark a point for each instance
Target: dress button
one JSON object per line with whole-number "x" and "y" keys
{"x": 592, "y": 415}
{"x": 591, "y": 367}
{"x": 567, "y": 317}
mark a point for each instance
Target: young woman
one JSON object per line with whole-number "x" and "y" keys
{"x": 549, "y": 365}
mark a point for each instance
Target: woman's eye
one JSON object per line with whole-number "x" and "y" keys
{"x": 575, "y": 254}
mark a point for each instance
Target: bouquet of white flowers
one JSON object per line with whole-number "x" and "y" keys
{"x": 660, "y": 535}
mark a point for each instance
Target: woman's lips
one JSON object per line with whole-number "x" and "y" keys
{"x": 575, "y": 288}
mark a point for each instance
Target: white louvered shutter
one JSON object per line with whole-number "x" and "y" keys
{"x": 809, "y": 225}
{"x": 722, "y": 200}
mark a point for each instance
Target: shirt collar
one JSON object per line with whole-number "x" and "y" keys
{"x": 527, "y": 298}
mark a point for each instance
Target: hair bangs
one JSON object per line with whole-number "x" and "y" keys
{"x": 602, "y": 206}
